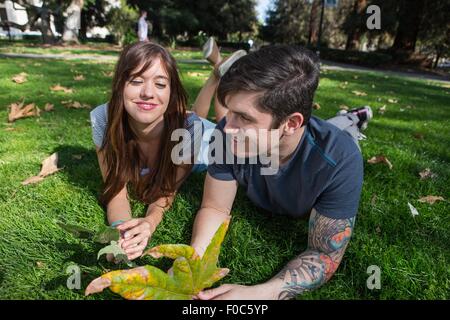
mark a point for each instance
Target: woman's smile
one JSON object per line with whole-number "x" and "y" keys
{"x": 146, "y": 106}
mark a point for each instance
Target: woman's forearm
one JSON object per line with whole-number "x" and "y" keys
{"x": 155, "y": 211}
{"x": 118, "y": 209}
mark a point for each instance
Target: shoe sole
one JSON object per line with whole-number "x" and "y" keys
{"x": 208, "y": 47}
{"x": 223, "y": 68}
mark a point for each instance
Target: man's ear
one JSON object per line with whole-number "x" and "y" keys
{"x": 293, "y": 123}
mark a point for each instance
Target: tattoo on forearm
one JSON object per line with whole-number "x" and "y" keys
{"x": 327, "y": 241}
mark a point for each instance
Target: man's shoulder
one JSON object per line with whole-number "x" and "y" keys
{"x": 329, "y": 140}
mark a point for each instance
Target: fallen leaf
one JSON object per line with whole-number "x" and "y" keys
{"x": 382, "y": 110}
{"x": 374, "y": 199}
{"x": 20, "y": 78}
{"x": 109, "y": 74}
{"x": 316, "y": 106}
{"x": 58, "y": 87}
{"x": 194, "y": 74}
{"x": 77, "y": 156}
{"x": 431, "y": 199}
{"x": 427, "y": 174}
{"x": 48, "y": 107}
{"x": 79, "y": 78}
{"x": 49, "y": 166}
{"x": 413, "y": 210}
{"x": 378, "y": 230}
{"x": 418, "y": 136}
{"x": 17, "y": 111}
{"x": 380, "y": 159}
{"x": 359, "y": 93}
{"x": 40, "y": 264}
{"x": 75, "y": 105}
{"x": 344, "y": 107}
{"x": 191, "y": 274}
{"x": 393, "y": 100}
{"x": 113, "y": 249}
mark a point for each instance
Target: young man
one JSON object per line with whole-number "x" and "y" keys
{"x": 142, "y": 31}
{"x": 320, "y": 171}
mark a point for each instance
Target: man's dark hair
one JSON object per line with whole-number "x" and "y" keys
{"x": 286, "y": 76}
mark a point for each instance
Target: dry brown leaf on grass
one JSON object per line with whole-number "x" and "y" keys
{"x": 380, "y": 159}
{"x": 79, "y": 77}
{"x": 49, "y": 166}
{"x": 18, "y": 110}
{"x": 359, "y": 93}
{"x": 418, "y": 136}
{"x": 20, "y": 78}
{"x": 382, "y": 110}
{"x": 48, "y": 107}
{"x": 77, "y": 156}
{"x": 427, "y": 174}
{"x": 344, "y": 107}
{"x": 75, "y": 105}
{"x": 316, "y": 106}
{"x": 431, "y": 199}
{"x": 58, "y": 87}
{"x": 109, "y": 74}
{"x": 392, "y": 100}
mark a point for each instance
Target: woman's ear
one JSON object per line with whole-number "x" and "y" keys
{"x": 293, "y": 123}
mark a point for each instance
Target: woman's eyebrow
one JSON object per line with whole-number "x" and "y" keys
{"x": 161, "y": 77}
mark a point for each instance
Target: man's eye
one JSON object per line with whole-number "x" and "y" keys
{"x": 161, "y": 85}
{"x": 245, "y": 118}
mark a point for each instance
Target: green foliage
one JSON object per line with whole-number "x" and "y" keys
{"x": 190, "y": 273}
{"x": 121, "y": 21}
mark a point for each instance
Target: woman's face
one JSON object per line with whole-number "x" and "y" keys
{"x": 146, "y": 97}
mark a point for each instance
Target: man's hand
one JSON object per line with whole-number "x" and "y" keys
{"x": 238, "y": 292}
{"x": 135, "y": 234}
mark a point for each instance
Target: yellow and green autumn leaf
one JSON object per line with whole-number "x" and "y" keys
{"x": 190, "y": 275}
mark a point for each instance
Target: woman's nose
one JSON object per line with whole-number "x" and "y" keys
{"x": 147, "y": 90}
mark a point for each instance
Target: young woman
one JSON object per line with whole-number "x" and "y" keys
{"x": 132, "y": 136}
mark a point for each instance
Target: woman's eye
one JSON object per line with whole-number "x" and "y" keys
{"x": 161, "y": 85}
{"x": 136, "y": 82}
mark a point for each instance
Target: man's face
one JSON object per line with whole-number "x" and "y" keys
{"x": 250, "y": 129}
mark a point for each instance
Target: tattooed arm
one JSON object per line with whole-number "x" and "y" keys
{"x": 327, "y": 240}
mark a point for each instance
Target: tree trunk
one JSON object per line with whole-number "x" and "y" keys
{"x": 313, "y": 30}
{"x": 408, "y": 28}
{"x": 72, "y": 22}
{"x": 47, "y": 34}
{"x": 354, "y": 35}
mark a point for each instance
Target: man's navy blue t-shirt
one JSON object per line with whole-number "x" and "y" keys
{"x": 324, "y": 173}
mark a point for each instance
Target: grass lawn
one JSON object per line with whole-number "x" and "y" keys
{"x": 412, "y": 252}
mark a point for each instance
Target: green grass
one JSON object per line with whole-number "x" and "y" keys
{"x": 412, "y": 253}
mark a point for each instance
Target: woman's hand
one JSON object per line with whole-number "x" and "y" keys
{"x": 135, "y": 234}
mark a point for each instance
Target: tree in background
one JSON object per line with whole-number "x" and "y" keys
{"x": 121, "y": 21}
{"x": 39, "y": 17}
{"x": 287, "y": 22}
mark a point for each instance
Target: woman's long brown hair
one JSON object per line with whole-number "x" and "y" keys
{"x": 120, "y": 146}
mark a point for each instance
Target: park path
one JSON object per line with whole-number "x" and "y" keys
{"x": 326, "y": 65}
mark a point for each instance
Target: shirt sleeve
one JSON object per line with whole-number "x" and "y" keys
{"x": 99, "y": 121}
{"x": 340, "y": 199}
{"x": 218, "y": 167}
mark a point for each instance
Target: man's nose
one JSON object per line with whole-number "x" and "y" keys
{"x": 230, "y": 126}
